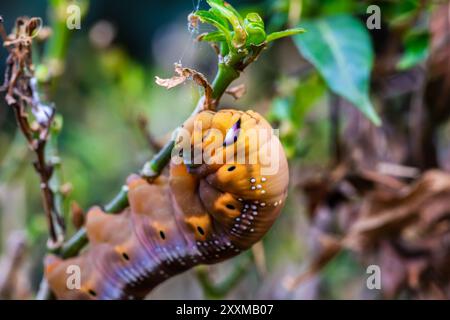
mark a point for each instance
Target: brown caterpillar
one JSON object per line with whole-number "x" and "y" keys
{"x": 190, "y": 215}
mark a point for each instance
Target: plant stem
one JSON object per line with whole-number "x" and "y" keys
{"x": 225, "y": 76}
{"x": 154, "y": 167}
{"x": 119, "y": 202}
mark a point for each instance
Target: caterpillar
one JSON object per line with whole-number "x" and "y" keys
{"x": 191, "y": 214}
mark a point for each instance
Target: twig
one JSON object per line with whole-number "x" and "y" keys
{"x": 21, "y": 92}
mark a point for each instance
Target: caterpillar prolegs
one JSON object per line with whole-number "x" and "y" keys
{"x": 200, "y": 213}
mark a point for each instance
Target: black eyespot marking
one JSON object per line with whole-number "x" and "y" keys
{"x": 125, "y": 256}
{"x": 92, "y": 293}
{"x": 201, "y": 231}
{"x": 230, "y": 206}
{"x": 231, "y": 168}
{"x": 162, "y": 235}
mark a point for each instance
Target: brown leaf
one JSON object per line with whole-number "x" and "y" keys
{"x": 184, "y": 74}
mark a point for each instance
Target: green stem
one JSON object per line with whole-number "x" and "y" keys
{"x": 154, "y": 167}
{"x": 119, "y": 202}
{"x": 225, "y": 76}
{"x": 73, "y": 246}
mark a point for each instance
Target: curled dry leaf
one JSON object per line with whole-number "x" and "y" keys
{"x": 184, "y": 74}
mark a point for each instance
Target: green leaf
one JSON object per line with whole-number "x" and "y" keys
{"x": 341, "y": 50}
{"x": 216, "y": 36}
{"x": 416, "y": 50}
{"x": 212, "y": 18}
{"x": 254, "y": 26}
{"x": 233, "y": 17}
{"x": 216, "y": 21}
{"x": 285, "y": 33}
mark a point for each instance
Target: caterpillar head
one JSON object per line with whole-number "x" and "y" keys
{"x": 236, "y": 165}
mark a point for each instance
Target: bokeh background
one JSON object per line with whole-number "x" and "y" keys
{"x": 341, "y": 165}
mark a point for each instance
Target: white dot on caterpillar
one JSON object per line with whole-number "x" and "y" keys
{"x": 254, "y": 207}
{"x": 216, "y": 242}
{"x": 276, "y": 203}
{"x": 240, "y": 199}
{"x": 252, "y": 230}
{"x": 253, "y": 188}
{"x": 263, "y": 191}
{"x": 243, "y": 216}
{"x": 255, "y": 213}
{"x": 217, "y": 256}
{"x": 238, "y": 219}
{"x": 250, "y": 217}
{"x": 263, "y": 179}
{"x": 252, "y": 180}
{"x": 256, "y": 202}
{"x": 246, "y": 206}
{"x": 244, "y": 210}
{"x": 259, "y": 186}
{"x": 263, "y": 204}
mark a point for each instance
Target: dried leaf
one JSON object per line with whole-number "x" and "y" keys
{"x": 184, "y": 74}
